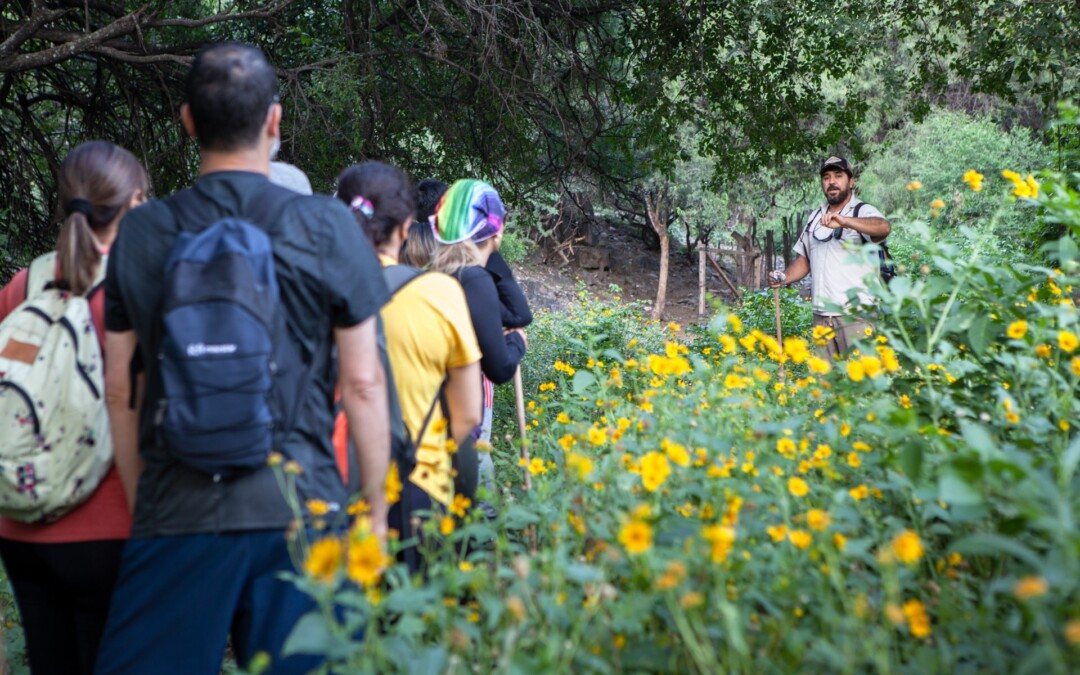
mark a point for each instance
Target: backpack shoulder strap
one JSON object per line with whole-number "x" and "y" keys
{"x": 399, "y": 276}
{"x": 806, "y": 225}
{"x": 99, "y": 277}
{"x": 42, "y": 270}
{"x": 264, "y": 213}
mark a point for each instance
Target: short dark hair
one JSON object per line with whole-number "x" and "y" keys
{"x": 428, "y": 193}
{"x": 230, "y": 88}
{"x": 388, "y": 194}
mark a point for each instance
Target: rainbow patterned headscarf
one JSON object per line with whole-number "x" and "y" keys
{"x": 469, "y": 209}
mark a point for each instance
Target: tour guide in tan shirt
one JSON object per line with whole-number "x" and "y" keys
{"x": 830, "y": 249}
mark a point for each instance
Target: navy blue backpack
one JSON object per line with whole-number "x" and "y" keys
{"x": 230, "y": 373}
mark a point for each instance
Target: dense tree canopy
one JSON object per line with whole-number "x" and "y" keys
{"x": 536, "y": 95}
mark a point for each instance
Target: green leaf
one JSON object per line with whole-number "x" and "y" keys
{"x": 993, "y": 544}
{"x": 1070, "y": 460}
{"x": 981, "y": 333}
{"x": 911, "y": 461}
{"x": 518, "y": 517}
{"x": 310, "y": 635}
{"x": 952, "y": 489}
{"x": 978, "y": 438}
{"x": 583, "y": 379}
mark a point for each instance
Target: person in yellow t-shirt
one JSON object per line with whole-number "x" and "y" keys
{"x": 429, "y": 339}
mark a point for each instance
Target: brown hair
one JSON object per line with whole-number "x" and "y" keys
{"x": 96, "y": 183}
{"x": 420, "y": 246}
{"x": 449, "y": 258}
{"x": 386, "y": 194}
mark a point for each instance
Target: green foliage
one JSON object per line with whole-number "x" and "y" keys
{"x": 591, "y": 325}
{"x": 909, "y": 509}
{"x": 758, "y": 312}
{"x": 937, "y": 152}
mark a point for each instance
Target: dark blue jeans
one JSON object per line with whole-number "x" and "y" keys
{"x": 178, "y": 599}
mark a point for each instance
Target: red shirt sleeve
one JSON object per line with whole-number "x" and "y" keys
{"x": 14, "y": 293}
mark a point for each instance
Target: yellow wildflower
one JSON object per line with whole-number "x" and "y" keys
{"x": 460, "y": 505}
{"x": 859, "y": 493}
{"x": 914, "y": 185}
{"x": 1072, "y": 631}
{"x": 818, "y": 519}
{"x": 678, "y": 454}
{"x": 536, "y": 466}
{"x": 778, "y": 533}
{"x": 324, "y": 559}
{"x": 366, "y": 560}
{"x": 636, "y": 537}
{"x": 797, "y": 486}
{"x": 654, "y": 470}
{"x": 393, "y": 484}
{"x": 800, "y": 538}
{"x": 917, "y": 619}
{"x": 855, "y": 371}
{"x": 907, "y": 547}
{"x": 580, "y": 465}
{"x": 317, "y": 507}
{"x": 673, "y": 575}
{"x": 1030, "y": 587}
{"x": 974, "y": 180}
{"x": 1067, "y": 341}
{"x": 1017, "y": 329}
{"x": 721, "y": 538}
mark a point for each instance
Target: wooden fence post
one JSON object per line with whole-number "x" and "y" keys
{"x": 701, "y": 282}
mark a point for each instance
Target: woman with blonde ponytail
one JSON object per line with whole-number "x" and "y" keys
{"x": 63, "y": 572}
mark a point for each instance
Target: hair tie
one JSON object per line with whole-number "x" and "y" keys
{"x": 80, "y": 205}
{"x": 363, "y": 205}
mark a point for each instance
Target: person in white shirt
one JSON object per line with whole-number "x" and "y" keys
{"x": 830, "y": 250}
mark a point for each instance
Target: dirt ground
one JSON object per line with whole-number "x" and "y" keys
{"x": 622, "y": 259}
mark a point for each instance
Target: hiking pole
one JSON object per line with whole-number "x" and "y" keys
{"x": 779, "y": 334}
{"x": 519, "y": 395}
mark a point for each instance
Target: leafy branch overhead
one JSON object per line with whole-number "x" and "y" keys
{"x": 534, "y": 95}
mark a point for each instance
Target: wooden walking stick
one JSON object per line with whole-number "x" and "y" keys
{"x": 779, "y": 334}
{"x": 519, "y": 395}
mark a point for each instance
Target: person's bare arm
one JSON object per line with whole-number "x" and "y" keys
{"x": 874, "y": 228}
{"x": 123, "y": 420}
{"x": 464, "y": 398}
{"x": 364, "y": 398}
{"x": 798, "y": 269}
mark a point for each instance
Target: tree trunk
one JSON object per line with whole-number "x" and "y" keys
{"x": 659, "y": 223}
{"x": 661, "y": 287}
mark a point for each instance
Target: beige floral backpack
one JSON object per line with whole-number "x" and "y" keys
{"x": 55, "y": 443}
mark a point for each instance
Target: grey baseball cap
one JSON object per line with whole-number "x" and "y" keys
{"x": 840, "y": 163}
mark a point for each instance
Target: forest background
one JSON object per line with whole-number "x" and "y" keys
{"x": 714, "y": 114}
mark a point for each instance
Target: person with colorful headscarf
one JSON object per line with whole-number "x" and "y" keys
{"x": 468, "y": 225}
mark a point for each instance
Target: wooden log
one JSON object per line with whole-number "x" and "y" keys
{"x": 725, "y": 278}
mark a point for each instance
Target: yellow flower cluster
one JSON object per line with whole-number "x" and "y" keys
{"x": 1022, "y": 187}
{"x": 974, "y": 179}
